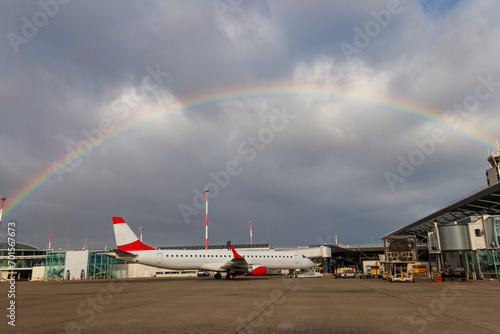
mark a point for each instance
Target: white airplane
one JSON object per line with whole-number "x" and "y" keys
{"x": 254, "y": 263}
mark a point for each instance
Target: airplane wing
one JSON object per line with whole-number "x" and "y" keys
{"x": 239, "y": 265}
{"x": 236, "y": 264}
{"x": 212, "y": 267}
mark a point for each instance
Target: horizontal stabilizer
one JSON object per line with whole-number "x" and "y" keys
{"x": 121, "y": 254}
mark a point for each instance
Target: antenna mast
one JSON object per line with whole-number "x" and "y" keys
{"x": 1, "y": 209}
{"x": 251, "y": 233}
{"x": 206, "y": 217}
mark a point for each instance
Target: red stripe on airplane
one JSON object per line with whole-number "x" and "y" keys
{"x": 118, "y": 220}
{"x": 135, "y": 246}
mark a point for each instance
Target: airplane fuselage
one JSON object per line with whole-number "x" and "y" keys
{"x": 212, "y": 259}
{"x": 255, "y": 263}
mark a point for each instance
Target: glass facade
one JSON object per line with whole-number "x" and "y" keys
{"x": 99, "y": 265}
{"x": 481, "y": 263}
{"x": 54, "y": 265}
{"x": 24, "y": 258}
{"x": 22, "y": 261}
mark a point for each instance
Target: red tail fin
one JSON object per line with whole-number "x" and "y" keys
{"x": 126, "y": 239}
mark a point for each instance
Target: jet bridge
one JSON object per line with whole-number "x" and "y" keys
{"x": 467, "y": 229}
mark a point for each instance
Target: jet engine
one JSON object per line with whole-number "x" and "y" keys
{"x": 257, "y": 270}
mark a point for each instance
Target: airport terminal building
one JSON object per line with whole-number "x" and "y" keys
{"x": 26, "y": 257}
{"x": 463, "y": 239}
{"x": 460, "y": 243}
{"x": 33, "y": 263}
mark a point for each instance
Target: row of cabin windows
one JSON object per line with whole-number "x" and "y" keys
{"x": 268, "y": 256}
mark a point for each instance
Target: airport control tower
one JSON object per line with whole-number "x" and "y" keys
{"x": 493, "y": 174}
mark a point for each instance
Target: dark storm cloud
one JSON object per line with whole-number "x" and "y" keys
{"x": 302, "y": 168}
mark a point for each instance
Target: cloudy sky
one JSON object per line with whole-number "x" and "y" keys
{"x": 310, "y": 119}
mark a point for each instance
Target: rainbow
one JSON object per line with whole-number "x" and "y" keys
{"x": 277, "y": 90}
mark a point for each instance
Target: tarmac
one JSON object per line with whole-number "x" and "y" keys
{"x": 252, "y": 305}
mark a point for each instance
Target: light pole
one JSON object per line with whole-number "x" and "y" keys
{"x": 206, "y": 191}
{"x": 1, "y": 208}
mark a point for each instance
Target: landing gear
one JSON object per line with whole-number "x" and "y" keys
{"x": 217, "y": 276}
{"x": 230, "y": 276}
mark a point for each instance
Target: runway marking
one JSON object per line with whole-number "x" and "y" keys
{"x": 295, "y": 287}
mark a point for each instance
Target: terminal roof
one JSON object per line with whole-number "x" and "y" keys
{"x": 18, "y": 246}
{"x": 483, "y": 201}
